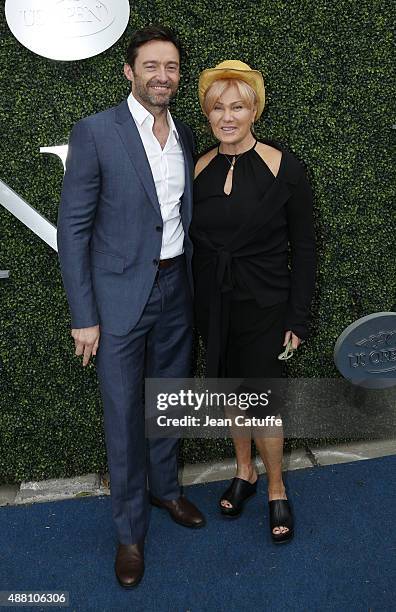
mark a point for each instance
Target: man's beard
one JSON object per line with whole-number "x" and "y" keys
{"x": 153, "y": 99}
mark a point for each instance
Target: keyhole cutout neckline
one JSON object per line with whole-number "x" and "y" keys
{"x": 230, "y": 174}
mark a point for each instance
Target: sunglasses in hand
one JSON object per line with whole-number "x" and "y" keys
{"x": 287, "y": 353}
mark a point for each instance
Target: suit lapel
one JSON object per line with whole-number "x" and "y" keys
{"x": 130, "y": 137}
{"x": 186, "y": 207}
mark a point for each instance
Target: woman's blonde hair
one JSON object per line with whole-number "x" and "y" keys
{"x": 217, "y": 88}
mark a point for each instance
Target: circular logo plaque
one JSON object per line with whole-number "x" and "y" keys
{"x": 67, "y": 29}
{"x": 365, "y": 352}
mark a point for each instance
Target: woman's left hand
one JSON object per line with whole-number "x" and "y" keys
{"x": 296, "y": 341}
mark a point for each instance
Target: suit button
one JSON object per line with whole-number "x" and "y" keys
{"x": 155, "y": 262}
{"x": 158, "y": 228}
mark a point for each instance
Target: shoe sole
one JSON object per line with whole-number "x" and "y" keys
{"x": 284, "y": 540}
{"x": 129, "y": 586}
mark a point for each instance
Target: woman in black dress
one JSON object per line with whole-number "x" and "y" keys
{"x": 252, "y": 200}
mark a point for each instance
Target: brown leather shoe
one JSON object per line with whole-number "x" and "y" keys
{"x": 129, "y": 564}
{"x": 182, "y": 511}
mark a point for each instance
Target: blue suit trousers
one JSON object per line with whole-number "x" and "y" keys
{"x": 159, "y": 346}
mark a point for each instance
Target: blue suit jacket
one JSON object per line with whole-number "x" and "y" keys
{"x": 109, "y": 221}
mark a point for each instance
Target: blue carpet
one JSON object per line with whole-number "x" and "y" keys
{"x": 342, "y": 558}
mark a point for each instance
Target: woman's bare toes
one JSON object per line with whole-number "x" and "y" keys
{"x": 280, "y": 529}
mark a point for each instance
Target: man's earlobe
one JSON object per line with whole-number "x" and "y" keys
{"x": 128, "y": 72}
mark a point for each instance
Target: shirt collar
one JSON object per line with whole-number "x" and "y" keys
{"x": 141, "y": 114}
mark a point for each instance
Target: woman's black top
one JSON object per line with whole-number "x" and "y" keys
{"x": 241, "y": 240}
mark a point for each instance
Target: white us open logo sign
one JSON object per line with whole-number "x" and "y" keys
{"x": 60, "y": 30}
{"x": 26, "y": 213}
{"x": 67, "y": 29}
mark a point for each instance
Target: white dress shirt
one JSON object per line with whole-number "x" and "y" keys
{"x": 167, "y": 167}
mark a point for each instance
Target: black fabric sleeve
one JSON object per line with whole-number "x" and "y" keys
{"x": 301, "y": 236}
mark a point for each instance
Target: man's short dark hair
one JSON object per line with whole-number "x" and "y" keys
{"x": 153, "y": 32}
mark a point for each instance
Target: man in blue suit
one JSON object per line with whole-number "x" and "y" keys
{"x": 125, "y": 258}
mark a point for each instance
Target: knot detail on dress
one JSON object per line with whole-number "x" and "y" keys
{"x": 224, "y": 270}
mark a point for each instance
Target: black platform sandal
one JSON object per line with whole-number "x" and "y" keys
{"x": 237, "y": 493}
{"x": 281, "y": 516}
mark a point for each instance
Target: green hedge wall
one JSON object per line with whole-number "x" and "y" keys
{"x": 327, "y": 68}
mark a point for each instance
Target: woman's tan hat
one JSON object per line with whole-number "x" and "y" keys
{"x": 233, "y": 69}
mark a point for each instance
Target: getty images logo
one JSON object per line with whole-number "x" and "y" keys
{"x": 67, "y": 29}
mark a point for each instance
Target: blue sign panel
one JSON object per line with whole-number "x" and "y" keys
{"x": 365, "y": 352}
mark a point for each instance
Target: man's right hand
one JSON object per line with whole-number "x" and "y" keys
{"x": 86, "y": 340}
